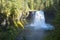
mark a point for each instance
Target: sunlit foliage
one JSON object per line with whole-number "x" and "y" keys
{"x": 14, "y": 13}
{"x": 11, "y": 18}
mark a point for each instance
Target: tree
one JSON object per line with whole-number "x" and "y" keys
{"x": 11, "y": 13}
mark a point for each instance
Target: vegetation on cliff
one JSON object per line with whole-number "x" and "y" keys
{"x": 13, "y": 15}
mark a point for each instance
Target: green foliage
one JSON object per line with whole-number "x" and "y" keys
{"x": 15, "y": 12}
{"x": 10, "y": 11}
{"x": 39, "y": 4}
{"x": 10, "y": 34}
{"x": 55, "y": 35}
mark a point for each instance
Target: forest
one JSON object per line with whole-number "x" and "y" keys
{"x": 14, "y": 13}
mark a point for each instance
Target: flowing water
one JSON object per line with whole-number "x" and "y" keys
{"x": 38, "y": 27}
{"x": 39, "y": 21}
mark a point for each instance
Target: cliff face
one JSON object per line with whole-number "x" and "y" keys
{"x": 49, "y": 15}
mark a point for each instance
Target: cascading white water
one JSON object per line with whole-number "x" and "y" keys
{"x": 39, "y": 21}
{"x": 37, "y": 29}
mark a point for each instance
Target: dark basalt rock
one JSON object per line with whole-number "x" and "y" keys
{"x": 49, "y": 15}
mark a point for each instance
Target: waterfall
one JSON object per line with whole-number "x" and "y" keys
{"x": 37, "y": 30}
{"x": 39, "y": 21}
